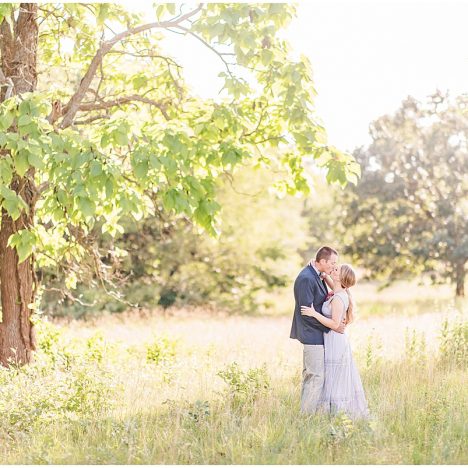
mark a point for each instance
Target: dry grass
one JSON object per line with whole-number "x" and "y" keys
{"x": 177, "y": 409}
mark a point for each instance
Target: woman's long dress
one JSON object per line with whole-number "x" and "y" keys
{"x": 343, "y": 390}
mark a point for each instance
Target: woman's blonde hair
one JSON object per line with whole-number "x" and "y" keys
{"x": 348, "y": 279}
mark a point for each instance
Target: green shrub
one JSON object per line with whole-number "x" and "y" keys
{"x": 244, "y": 387}
{"x": 161, "y": 351}
{"x": 454, "y": 343}
{"x": 96, "y": 348}
{"x": 31, "y": 397}
{"x": 415, "y": 346}
{"x": 51, "y": 345}
{"x": 198, "y": 411}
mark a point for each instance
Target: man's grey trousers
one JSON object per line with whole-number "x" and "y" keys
{"x": 313, "y": 376}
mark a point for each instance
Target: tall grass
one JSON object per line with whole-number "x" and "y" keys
{"x": 228, "y": 400}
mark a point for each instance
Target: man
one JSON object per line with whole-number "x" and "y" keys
{"x": 311, "y": 290}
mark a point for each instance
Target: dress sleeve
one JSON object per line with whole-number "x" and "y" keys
{"x": 344, "y": 300}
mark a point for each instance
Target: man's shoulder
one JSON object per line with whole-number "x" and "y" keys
{"x": 304, "y": 275}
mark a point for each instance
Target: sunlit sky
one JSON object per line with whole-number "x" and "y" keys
{"x": 367, "y": 56}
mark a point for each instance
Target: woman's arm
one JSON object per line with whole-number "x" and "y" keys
{"x": 329, "y": 281}
{"x": 337, "y": 314}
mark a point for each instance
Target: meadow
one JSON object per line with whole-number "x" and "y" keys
{"x": 192, "y": 387}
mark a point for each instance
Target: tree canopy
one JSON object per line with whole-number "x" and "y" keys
{"x": 99, "y": 131}
{"x": 409, "y": 212}
{"x": 128, "y": 130}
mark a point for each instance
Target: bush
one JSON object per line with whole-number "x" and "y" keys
{"x": 245, "y": 387}
{"x": 454, "y": 343}
{"x": 51, "y": 345}
{"x": 161, "y": 351}
{"x": 31, "y": 396}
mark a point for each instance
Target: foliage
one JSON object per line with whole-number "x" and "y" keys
{"x": 110, "y": 151}
{"x": 53, "y": 415}
{"x": 454, "y": 344}
{"x": 409, "y": 212}
{"x": 170, "y": 262}
{"x": 161, "y": 351}
{"x": 245, "y": 386}
{"x": 61, "y": 385}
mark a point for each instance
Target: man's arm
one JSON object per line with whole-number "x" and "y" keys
{"x": 305, "y": 297}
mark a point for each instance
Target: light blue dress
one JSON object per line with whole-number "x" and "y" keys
{"x": 342, "y": 390}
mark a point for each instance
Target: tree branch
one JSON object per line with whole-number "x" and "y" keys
{"x": 73, "y": 105}
{"x": 99, "y": 105}
{"x": 169, "y": 61}
{"x": 91, "y": 119}
{"x": 219, "y": 54}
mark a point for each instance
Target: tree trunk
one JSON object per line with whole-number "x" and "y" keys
{"x": 17, "y": 341}
{"x": 460, "y": 280}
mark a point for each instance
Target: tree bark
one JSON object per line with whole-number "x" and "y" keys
{"x": 460, "y": 280}
{"x": 17, "y": 340}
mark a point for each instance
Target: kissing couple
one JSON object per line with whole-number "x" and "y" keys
{"x": 330, "y": 379}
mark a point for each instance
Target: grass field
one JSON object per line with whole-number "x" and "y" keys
{"x": 198, "y": 388}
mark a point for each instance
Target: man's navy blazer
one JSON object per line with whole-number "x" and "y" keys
{"x": 308, "y": 289}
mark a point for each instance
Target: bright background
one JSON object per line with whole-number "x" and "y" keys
{"x": 367, "y": 56}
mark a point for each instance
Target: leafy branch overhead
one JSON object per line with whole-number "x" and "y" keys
{"x": 113, "y": 126}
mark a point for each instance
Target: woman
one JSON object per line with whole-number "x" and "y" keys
{"x": 343, "y": 389}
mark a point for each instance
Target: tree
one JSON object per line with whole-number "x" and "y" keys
{"x": 99, "y": 133}
{"x": 409, "y": 212}
{"x": 169, "y": 261}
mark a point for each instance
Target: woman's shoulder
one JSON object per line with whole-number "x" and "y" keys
{"x": 343, "y": 295}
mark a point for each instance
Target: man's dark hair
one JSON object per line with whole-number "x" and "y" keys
{"x": 324, "y": 253}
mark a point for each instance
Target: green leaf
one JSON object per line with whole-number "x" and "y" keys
{"x": 86, "y": 206}
{"x": 120, "y": 137}
{"x": 95, "y": 168}
{"x": 105, "y": 140}
{"x": 231, "y": 156}
{"x": 275, "y": 8}
{"x": 266, "y": 57}
{"x": 25, "y": 107}
{"x": 109, "y": 187}
{"x": 12, "y": 202}
{"x": 140, "y": 81}
{"x": 36, "y": 161}
{"x": 168, "y": 200}
{"x": 160, "y": 10}
{"x": 59, "y": 157}
{"x": 24, "y": 120}
{"x": 24, "y": 242}
{"x": 6, "y": 171}
{"x": 80, "y": 191}
{"x": 141, "y": 169}
{"x": 219, "y": 122}
{"x": 62, "y": 197}
{"x": 102, "y": 10}
{"x": 6, "y": 120}
{"x": 5, "y": 11}
{"x": 21, "y": 163}
{"x": 154, "y": 162}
